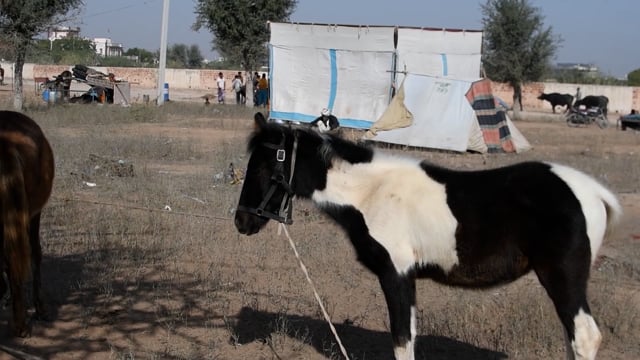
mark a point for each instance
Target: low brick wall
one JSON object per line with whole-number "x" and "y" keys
{"x": 621, "y": 98}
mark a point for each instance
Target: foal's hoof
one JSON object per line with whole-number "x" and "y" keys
{"x": 42, "y": 312}
{"x": 41, "y": 315}
{"x": 21, "y": 331}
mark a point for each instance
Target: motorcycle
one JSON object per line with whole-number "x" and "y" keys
{"x": 585, "y": 117}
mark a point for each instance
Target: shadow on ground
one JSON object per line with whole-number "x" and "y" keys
{"x": 360, "y": 343}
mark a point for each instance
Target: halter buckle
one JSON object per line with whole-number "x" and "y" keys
{"x": 280, "y": 155}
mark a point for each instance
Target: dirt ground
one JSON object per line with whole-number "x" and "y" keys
{"x": 224, "y": 296}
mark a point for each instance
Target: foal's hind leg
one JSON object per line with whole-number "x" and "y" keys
{"x": 566, "y": 284}
{"x": 400, "y": 294}
{"x": 36, "y": 257}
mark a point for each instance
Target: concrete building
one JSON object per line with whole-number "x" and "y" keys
{"x": 587, "y": 69}
{"x": 105, "y": 47}
{"x": 61, "y": 32}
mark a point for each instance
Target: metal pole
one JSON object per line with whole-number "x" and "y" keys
{"x": 163, "y": 51}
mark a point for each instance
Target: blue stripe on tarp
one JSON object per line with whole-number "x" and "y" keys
{"x": 445, "y": 67}
{"x": 334, "y": 79}
{"x": 293, "y": 116}
{"x": 271, "y": 87}
{"x": 355, "y": 123}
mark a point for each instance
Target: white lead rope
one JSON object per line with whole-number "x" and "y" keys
{"x": 315, "y": 293}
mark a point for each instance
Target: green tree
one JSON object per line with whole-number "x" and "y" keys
{"x": 21, "y": 21}
{"x": 633, "y": 78}
{"x": 194, "y": 57}
{"x": 117, "y": 61}
{"x": 517, "y": 46}
{"x": 73, "y": 50}
{"x": 144, "y": 56}
{"x": 177, "y": 56}
{"x": 240, "y": 27}
{"x": 38, "y": 53}
{"x": 184, "y": 56}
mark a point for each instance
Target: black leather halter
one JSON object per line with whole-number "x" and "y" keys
{"x": 278, "y": 181}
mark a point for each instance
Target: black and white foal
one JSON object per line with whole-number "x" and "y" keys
{"x": 409, "y": 219}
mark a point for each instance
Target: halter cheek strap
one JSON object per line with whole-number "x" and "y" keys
{"x": 278, "y": 180}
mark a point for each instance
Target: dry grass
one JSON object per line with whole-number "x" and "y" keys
{"x": 126, "y": 279}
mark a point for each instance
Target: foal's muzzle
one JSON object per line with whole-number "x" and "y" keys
{"x": 249, "y": 224}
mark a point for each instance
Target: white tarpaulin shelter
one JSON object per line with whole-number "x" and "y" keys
{"x": 351, "y": 70}
{"x": 442, "y": 113}
{"x": 447, "y": 53}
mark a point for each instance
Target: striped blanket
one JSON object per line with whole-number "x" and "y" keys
{"x": 492, "y": 119}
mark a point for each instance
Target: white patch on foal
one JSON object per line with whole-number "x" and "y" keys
{"x": 406, "y": 352}
{"x": 587, "y": 337}
{"x": 404, "y": 209}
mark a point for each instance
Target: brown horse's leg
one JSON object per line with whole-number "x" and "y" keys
{"x": 3, "y": 280}
{"x": 36, "y": 257}
{"x": 19, "y": 326}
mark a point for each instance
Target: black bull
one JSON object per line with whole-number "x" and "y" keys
{"x": 557, "y": 99}
{"x": 592, "y": 101}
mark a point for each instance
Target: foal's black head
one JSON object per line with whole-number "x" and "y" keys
{"x": 266, "y": 193}
{"x": 269, "y": 183}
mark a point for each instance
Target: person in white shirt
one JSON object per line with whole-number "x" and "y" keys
{"x": 221, "y": 88}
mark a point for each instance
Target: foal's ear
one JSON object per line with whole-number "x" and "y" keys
{"x": 261, "y": 122}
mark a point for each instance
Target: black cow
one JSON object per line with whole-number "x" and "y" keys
{"x": 592, "y": 101}
{"x": 557, "y": 99}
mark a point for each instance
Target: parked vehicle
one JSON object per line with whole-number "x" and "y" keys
{"x": 631, "y": 121}
{"x": 585, "y": 117}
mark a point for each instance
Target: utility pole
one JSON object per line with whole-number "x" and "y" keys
{"x": 163, "y": 51}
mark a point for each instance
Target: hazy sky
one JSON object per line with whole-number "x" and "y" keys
{"x": 602, "y": 32}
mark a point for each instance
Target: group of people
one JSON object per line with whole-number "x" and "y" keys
{"x": 260, "y": 90}
{"x": 325, "y": 122}
{"x": 239, "y": 87}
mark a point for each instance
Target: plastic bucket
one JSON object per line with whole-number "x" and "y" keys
{"x": 50, "y": 96}
{"x": 165, "y": 92}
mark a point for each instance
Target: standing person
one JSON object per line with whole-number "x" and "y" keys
{"x": 1, "y": 75}
{"x": 243, "y": 89}
{"x": 578, "y": 94}
{"x": 263, "y": 90}
{"x": 237, "y": 88}
{"x": 221, "y": 88}
{"x": 256, "y": 79}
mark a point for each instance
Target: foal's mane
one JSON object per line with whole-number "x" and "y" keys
{"x": 328, "y": 146}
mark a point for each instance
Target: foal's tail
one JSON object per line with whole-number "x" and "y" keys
{"x": 613, "y": 208}
{"x": 14, "y": 206}
{"x": 593, "y": 196}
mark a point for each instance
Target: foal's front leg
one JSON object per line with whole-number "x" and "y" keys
{"x": 400, "y": 293}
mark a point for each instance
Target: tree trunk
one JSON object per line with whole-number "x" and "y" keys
{"x": 517, "y": 99}
{"x": 18, "y": 98}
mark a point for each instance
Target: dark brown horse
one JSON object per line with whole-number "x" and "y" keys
{"x": 26, "y": 178}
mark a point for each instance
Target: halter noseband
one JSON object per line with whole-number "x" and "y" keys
{"x": 278, "y": 180}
